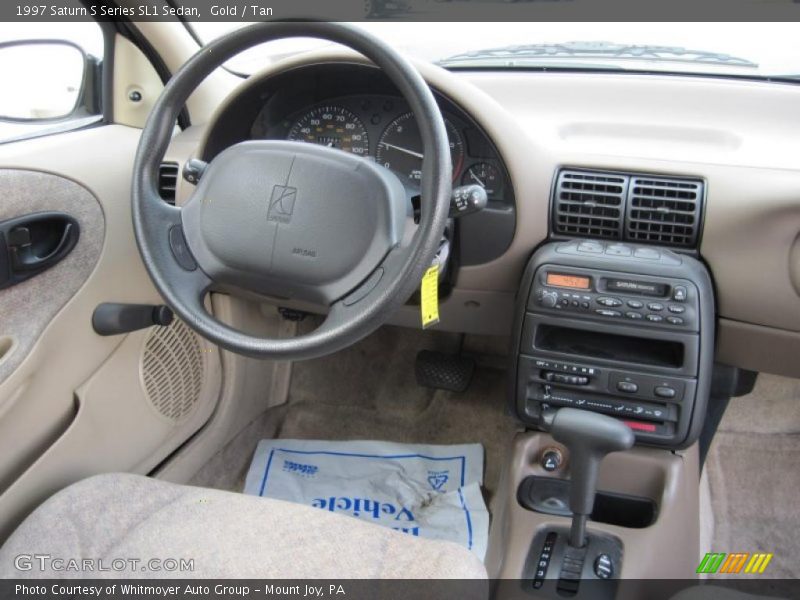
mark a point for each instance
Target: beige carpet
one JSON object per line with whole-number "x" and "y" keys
{"x": 369, "y": 392}
{"x": 754, "y": 474}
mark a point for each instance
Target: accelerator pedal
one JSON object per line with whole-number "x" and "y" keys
{"x": 441, "y": 371}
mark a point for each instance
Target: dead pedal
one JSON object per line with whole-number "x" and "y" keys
{"x": 441, "y": 371}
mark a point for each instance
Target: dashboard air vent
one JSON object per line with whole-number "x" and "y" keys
{"x": 168, "y": 181}
{"x": 589, "y": 204}
{"x": 664, "y": 211}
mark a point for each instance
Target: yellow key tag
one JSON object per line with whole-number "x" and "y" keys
{"x": 429, "y": 297}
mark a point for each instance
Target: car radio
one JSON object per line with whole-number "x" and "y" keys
{"x": 646, "y": 299}
{"x": 619, "y": 329}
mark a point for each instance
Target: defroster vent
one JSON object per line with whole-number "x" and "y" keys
{"x": 589, "y": 204}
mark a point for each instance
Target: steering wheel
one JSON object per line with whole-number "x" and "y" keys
{"x": 289, "y": 220}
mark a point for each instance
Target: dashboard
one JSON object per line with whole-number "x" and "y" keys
{"x": 356, "y": 109}
{"x": 737, "y": 137}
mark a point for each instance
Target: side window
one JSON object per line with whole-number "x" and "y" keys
{"x": 50, "y": 77}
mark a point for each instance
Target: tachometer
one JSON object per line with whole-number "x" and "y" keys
{"x": 331, "y": 126}
{"x": 486, "y": 176}
{"x": 400, "y": 147}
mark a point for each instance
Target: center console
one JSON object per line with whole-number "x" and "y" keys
{"x": 617, "y": 329}
{"x": 611, "y": 362}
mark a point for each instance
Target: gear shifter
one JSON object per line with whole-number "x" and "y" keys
{"x": 589, "y": 437}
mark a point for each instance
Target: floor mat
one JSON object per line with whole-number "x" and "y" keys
{"x": 368, "y": 391}
{"x": 424, "y": 490}
{"x": 754, "y": 476}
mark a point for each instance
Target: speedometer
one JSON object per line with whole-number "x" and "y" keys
{"x": 400, "y": 147}
{"x": 331, "y": 126}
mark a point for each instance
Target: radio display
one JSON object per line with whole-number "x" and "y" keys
{"x": 636, "y": 287}
{"x": 575, "y": 282}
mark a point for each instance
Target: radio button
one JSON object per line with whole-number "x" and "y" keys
{"x": 664, "y": 391}
{"x": 674, "y": 320}
{"x": 584, "y": 304}
{"x": 676, "y": 308}
{"x": 648, "y": 253}
{"x": 618, "y": 250}
{"x": 627, "y": 386}
{"x": 548, "y": 299}
{"x": 593, "y": 247}
{"x": 608, "y": 313}
{"x": 655, "y": 318}
{"x": 679, "y": 293}
{"x": 633, "y": 315}
{"x": 608, "y": 301}
{"x": 564, "y": 378}
{"x": 656, "y": 306}
{"x": 635, "y": 303}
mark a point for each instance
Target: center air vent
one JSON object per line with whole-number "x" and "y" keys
{"x": 589, "y": 204}
{"x": 664, "y": 211}
{"x": 168, "y": 181}
{"x": 639, "y": 208}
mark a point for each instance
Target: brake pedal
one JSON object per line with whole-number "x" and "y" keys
{"x": 441, "y": 371}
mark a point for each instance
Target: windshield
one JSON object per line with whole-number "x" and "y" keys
{"x": 758, "y": 50}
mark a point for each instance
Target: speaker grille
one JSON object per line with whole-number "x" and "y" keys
{"x": 173, "y": 369}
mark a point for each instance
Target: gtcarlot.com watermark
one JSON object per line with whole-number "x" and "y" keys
{"x": 57, "y": 564}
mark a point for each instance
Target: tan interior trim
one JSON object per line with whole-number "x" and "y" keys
{"x": 668, "y": 549}
{"x": 758, "y": 348}
{"x": 176, "y": 46}
{"x": 250, "y": 386}
{"x": 38, "y": 398}
{"x": 133, "y": 73}
{"x": 542, "y": 121}
{"x": 115, "y": 429}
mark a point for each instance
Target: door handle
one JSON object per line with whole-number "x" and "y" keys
{"x": 33, "y": 243}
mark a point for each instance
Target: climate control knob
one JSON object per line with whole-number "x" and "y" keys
{"x": 548, "y": 299}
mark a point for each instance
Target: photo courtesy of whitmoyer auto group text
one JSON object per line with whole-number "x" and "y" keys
{"x": 400, "y": 300}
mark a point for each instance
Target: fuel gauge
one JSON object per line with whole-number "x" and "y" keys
{"x": 485, "y": 175}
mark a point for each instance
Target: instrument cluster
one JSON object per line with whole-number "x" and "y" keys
{"x": 382, "y": 128}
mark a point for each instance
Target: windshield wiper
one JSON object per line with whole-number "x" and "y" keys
{"x": 509, "y": 55}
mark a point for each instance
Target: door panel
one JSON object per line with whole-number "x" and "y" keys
{"x": 64, "y": 390}
{"x": 29, "y": 306}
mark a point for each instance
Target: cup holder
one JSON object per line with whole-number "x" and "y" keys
{"x": 551, "y": 496}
